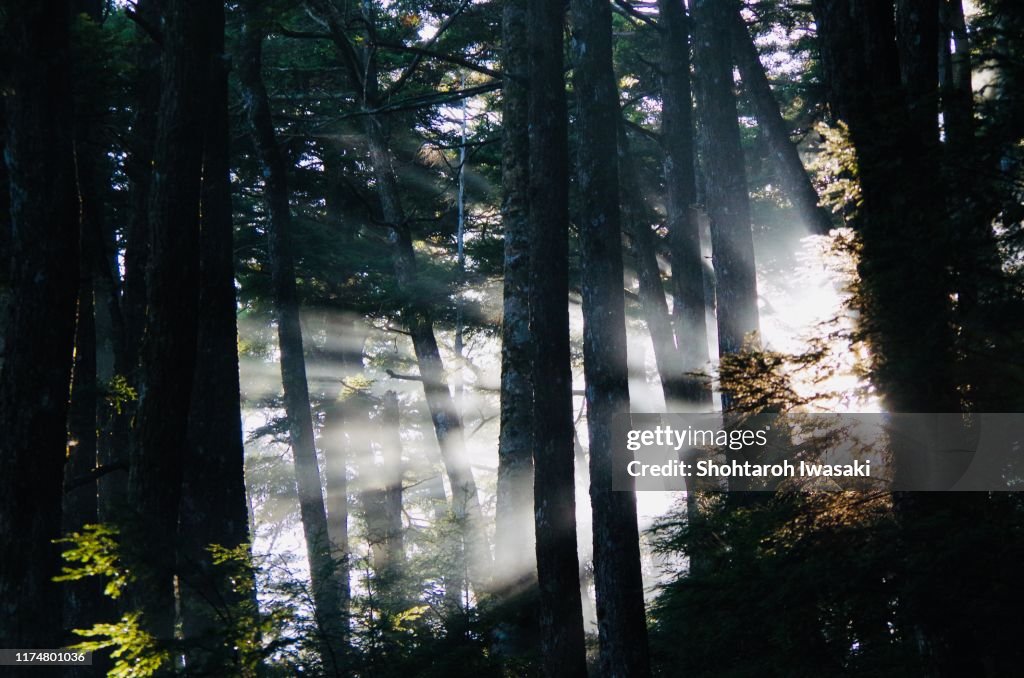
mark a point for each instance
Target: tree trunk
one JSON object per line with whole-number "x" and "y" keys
{"x": 907, "y": 298}
{"x": 168, "y": 351}
{"x": 213, "y": 505}
{"x": 727, "y": 200}
{"x": 907, "y": 314}
{"x": 788, "y": 167}
{"x": 393, "y": 556}
{"x": 688, "y": 317}
{"x": 561, "y": 616}
{"x": 83, "y": 600}
{"x": 622, "y": 627}
{"x": 327, "y": 587}
{"x": 139, "y": 169}
{"x": 636, "y": 218}
{"x": 513, "y": 534}
{"x": 40, "y": 328}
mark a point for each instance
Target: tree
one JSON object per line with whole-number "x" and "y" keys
{"x": 327, "y": 585}
{"x": 561, "y": 616}
{"x": 622, "y": 628}
{"x": 169, "y": 343}
{"x": 213, "y": 503}
{"x": 40, "y": 327}
{"x": 513, "y": 527}
{"x": 688, "y": 322}
{"x": 726, "y": 193}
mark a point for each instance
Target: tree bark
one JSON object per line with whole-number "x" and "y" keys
{"x": 727, "y": 199}
{"x": 902, "y": 263}
{"x": 168, "y": 351}
{"x": 513, "y": 535}
{"x": 213, "y": 504}
{"x": 622, "y": 627}
{"x": 561, "y": 616}
{"x": 688, "y": 317}
{"x": 906, "y": 298}
{"x": 327, "y": 587}
{"x": 788, "y": 167}
{"x": 40, "y": 327}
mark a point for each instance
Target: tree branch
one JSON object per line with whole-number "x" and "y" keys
{"x": 94, "y": 474}
{"x": 449, "y": 58}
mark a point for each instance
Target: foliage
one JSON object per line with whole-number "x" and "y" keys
{"x": 136, "y": 653}
{"x": 94, "y": 552}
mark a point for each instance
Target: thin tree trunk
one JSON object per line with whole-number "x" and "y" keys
{"x": 513, "y": 535}
{"x": 213, "y": 505}
{"x": 36, "y": 374}
{"x": 393, "y": 556}
{"x": 727, "y": 199}
{"x": 622, "y": 627}
{"x": 786, "y": 158}
{"x": 139, "y": 169}
{"x": 561, "y": 616}
{"x": 327, "y": 587}
{"x": 82, "y": 599}
{"x": 643, "y": 245}
{"x": 688, "y": 311}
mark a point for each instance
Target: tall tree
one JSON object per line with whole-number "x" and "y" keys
{"x": 327, "y": 587}
{"x": 728, "y": 203}
{"x": 40, "y": 327}
{"x": 909, "y": 310}
{"x": 872, "y": 66}
{"x": 677, "y": 132}
{"x": 622, "y": 628}
{"x": 513, "y": 527}
{"x": 169, "y": 342}
{"x": 213, "y": 504}
{"x": 561, "y": 616}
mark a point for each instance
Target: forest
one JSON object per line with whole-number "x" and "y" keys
{"x": 319, "y": 320}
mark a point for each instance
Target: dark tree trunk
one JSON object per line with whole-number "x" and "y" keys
{"x": 957, "y": 95}
{"x": 917, "y": 32}
{"x": 561, "y": 616}
{"x": 513, "y": 534}
{"x": 788, "y": 167}
{"x": 902, "y": 263}
{"x": 139, "y": 168}
{"x": 168, "y": 351}
{"x": 83, "y": 600}
{"x": 906, "y": 296}
{"x": 688, "y": 318}
{"x": 213, "y": 504}
{"x": 622, "y": 627}
{"x": 327, "y": 587}
{"x": 727, "y": 200}
{"x": 40, "y": 327}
